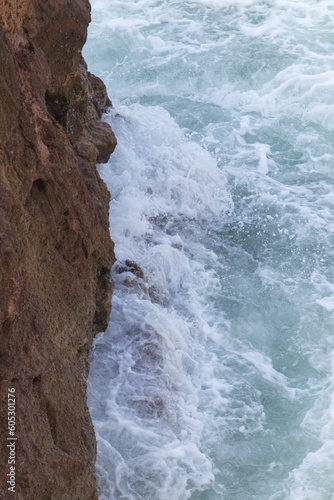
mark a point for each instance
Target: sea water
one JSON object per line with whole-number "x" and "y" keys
{"x": 215, "y": 378}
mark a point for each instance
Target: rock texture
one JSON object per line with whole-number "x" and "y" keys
{"x": 55, "y": 249}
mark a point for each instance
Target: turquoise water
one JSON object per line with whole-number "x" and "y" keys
{"x": 215, "y": 378}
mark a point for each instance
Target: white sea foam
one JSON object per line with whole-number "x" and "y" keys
{"x": 215, "y": 377}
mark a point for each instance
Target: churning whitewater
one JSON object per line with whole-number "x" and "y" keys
{"x": 215, "y": 379}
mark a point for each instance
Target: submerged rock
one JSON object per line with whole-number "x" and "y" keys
{"x": 55, "y": 249}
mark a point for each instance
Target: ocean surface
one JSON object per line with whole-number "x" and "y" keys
{"x": 215, "y": 379}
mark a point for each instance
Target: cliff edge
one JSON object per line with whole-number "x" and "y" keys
{"x": 55, "y": 249}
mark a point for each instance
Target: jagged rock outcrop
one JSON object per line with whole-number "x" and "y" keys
{"x": 55, "y": 249}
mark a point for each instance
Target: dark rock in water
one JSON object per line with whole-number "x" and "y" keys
{"x": 135, "y": 269}
{"x": 134, "y": 278}
{"x": 55, "y": 249}
{"x": 129, "y": 266}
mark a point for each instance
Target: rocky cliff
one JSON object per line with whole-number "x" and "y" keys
{"x": 55, "y": 249}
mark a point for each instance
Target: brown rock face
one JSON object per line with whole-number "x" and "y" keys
{"x": 55, "y": 249}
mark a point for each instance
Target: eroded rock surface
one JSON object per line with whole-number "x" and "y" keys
{"x": 55, "y": 249}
